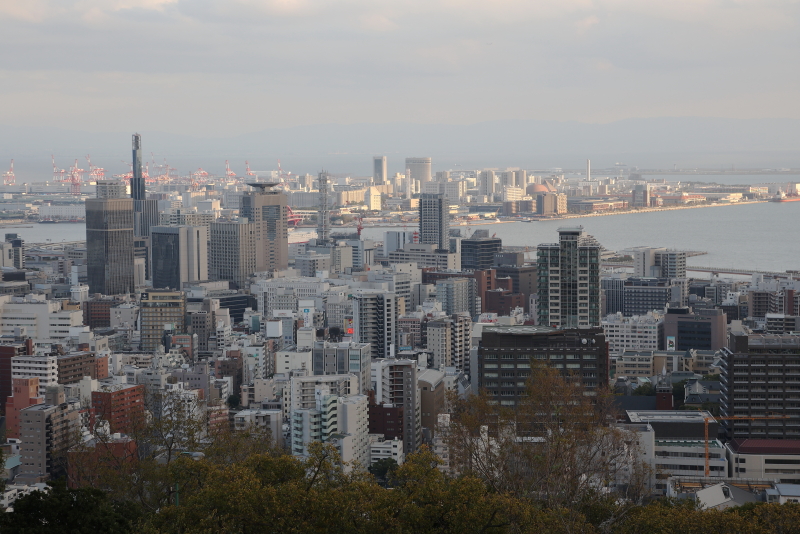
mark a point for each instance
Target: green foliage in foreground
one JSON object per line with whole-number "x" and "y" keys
{"x": 273, "y": 493}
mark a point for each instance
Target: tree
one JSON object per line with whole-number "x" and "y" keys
{"x": 645, "y": 390}
{"x": 68, "y": 510}
{"x": 383, "y": 470}
{"x": 234, "y": 401}
{"x": 559, "y": 446}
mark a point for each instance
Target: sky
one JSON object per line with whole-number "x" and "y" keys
{"x": 213, "y": 68}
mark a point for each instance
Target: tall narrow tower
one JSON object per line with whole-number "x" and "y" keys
{"x": 588, "y": 170}
{"x": 324, "y": 216}
{"x": 145, "y": 212}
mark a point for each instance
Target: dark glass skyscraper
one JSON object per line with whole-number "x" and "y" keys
{"x": 109, "y": 240}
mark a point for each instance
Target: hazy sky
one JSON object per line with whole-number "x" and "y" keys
{"x": 223, "y": 67}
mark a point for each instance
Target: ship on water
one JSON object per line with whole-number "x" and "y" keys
{"x": 783, "y": 197}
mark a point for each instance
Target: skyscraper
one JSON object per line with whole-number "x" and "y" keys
{"x": 324, "y": 216}
{"x": 145, "y": 211}
{"x": 420, "y": 169}
{"x": 233, "y": 253}
{"x": 180, "y": 255}
{"x": 434, "y": 220}
{"x": 569, "y": 280}
{"x": 379, "y": 172}
{"x": 267, "y": 206}
{"x": 109, "y": 240}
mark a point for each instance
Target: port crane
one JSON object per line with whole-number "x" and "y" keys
{"x": 58, "y": 174}
{"x": 228, "y": 172}
{"x": 247, "y": 170}
{"x": 96, "y": 172}
{"x": 8, "y": 177}
{"x": 706, "y": 420}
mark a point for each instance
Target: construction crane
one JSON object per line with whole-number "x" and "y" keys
{"x": 732, "y": 418}
{"x": 247, "y": 170}
{"x": 359, "y": 226}
{"x": 8, "y": 177}
{"x": 228, "y": 172}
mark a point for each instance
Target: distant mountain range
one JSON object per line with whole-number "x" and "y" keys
{"x": 648, "y": 143}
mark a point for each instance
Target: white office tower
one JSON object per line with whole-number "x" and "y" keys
{"x": 395, "y": 385}
{"x": 342, "y": 421}
{"x": 588, "y": 170}
{"x": 420, "y": 169}
{"x": 375, "y": 316}
{"x": 379, "y": 172}
{"x": 569, "y": 280}
{"x": 434, "y": 221}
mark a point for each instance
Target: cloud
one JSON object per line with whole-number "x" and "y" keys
{"x": 238, "y": 65}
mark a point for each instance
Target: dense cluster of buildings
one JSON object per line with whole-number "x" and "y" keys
{"x": 357, "y": 343}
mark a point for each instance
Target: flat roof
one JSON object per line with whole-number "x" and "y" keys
{"x": 519, "y": 329}
{"x": 669, "y": 416}
{"x": 765, "y": 446}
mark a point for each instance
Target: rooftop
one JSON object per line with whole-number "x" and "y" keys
{"x": 765, "y": 446}
{"x": 519, "y": 329}
{"x": 669, "y": 416}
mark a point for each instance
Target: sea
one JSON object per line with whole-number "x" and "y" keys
{"x": 763, "y": 236}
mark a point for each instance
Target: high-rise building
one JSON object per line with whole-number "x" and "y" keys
{"x": 324, "y": 215}
{"x": 642, "y": 295}
{"x": 759, "y": 379}
{"x": 145, "y": 211}
{"x": 342, "y": 358}
{"x": 640, "y": 196}
{"x": 449, "y": 340}
{"x": 375, "y": 315}
{"x": 379, "y": 173}
{"x": 506, "y": 353}
{"x": 457, "y": 295}
{"x": 161, "y": 310}
{"x": 434, "y": 220}
{"x": 395, "y": 385}
{"x": 569, "y": 280}
{"x": 703, "y": 329}
{"x": 419, "y": 169}
{"x": 13, "y": 252}
{"x": 267, "y": 206}
{"x": 180, "y": 255}
{"x": 658, "y": 262}
{"x": 233, "y": 255}
{"x": 109, "y": 242}
{"x": 46, "y": 431}
{"x": 478, "y": 253}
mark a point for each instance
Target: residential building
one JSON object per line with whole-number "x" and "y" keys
{"x": 381, "y": 449}
{"x": 120, "y": 405}
{"x": 43, "y": 367}
{"x": 432, "y": 400}
{"x": 644, "y": 295}
{"x": 457, "y": 295}
{"x": 25, "y": 394}
{"x": 449, "y": 340}
{"x": 161, "y": 311}
{"x": 761, "y": 379}
{"x": 46, "y": 431}
{"x": 434, "y": 220}
{"x": 569, "y": 280}
{"x": 426, "y": 255}
{"x": 640, "y": 332}
{"x": 394, "y": 382}
{"x": 375, "y": 315}
{"x": 506, "y": 353}
{"x": 342, "y": 358}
